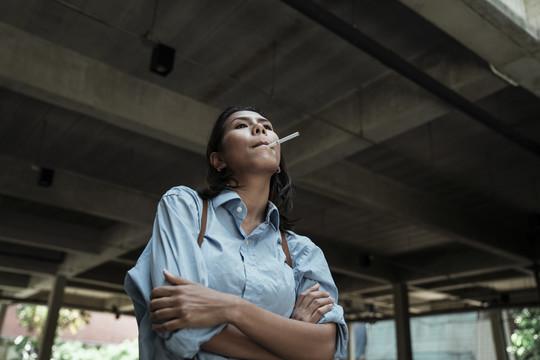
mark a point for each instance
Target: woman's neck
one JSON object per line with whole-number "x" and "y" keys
{"x": 254, "y": 195}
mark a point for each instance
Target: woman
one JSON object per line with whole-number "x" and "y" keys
{"x": 235, "y": 296}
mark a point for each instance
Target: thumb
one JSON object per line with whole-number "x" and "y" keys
{"x": 175, "y": 280}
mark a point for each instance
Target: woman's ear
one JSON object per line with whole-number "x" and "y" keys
{"x": 217, "y": 161}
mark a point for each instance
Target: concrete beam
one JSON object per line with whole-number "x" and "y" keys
{"x": 38, "y": 283}
{"x": 105, "y": 287}
{"x": 119, "y": 239}
{"x": 115, "y": 241}
{"x": 71, "y": 80}
{"x": 47, "y": 233}
{"x": 79, "y": 83}
{"x": 502, "y": 46}
{"x": 72, "y": 239}
{"x": 346, "y": 259}
{"x": 359, "y": 187}
{"x": 11, "y": 280}
{"x": 437, "y": 264}
{"x": 386, "y": 108}
{"x": 21, "y": 265}
{"x": 86, "y": 249}
{"x": 76, "y": 193}
{"x": 106, "y": 303}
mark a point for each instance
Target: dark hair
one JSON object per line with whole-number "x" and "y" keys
{"x": 281, "y": 192}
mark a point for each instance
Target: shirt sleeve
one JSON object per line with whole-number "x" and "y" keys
{"x": 173, "y": 247}
{"x": 310, "y": 267}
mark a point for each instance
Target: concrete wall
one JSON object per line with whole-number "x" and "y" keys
{"x": 516, "y": 6}
{"x": 533, "y": 12}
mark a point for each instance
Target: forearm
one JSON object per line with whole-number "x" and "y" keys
{"x": 191, "y": 305}
{"x": 287, "y": 338}
{"x": 231, "y": 342}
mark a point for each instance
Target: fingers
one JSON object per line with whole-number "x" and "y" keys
{"x": 309, "y": 296}
{"x": 176, "y": 280}
{"x": 315, "y": 311}
{"x": 319, "y": 307}
{"x": 164, "y": 314}
{"x": 163, "y": 302}
{"x": 318, "y": 314}
{"x": 317, "y": 303}
{"x": 162, "y": 291}
{"x": 171, "y": 325}
{"x": 304, "y": 296}
{"x": 312, "y": 304}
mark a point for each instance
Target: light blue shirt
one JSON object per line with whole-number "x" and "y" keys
{"x": 253, "y": 267}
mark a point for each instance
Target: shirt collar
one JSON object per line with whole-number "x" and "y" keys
{"x": 230, "y": 200}
{"x": 273, "y": 215}
{"x": 224, "y": 197}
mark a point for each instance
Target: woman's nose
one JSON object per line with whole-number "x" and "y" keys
{"x": 259, "y": 129}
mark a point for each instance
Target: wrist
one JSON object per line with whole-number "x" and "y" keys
{"x": 234, "y": 310}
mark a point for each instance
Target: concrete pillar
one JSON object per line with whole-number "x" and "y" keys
{"x": 498, "y": 334}
{"x": 403, "y": 328}
{"x": 536, "y": 269}
{"x": 4, "y": 349}
{"x": 352, "y": 343}
{"x": 49, "y": 330}
{"x": 3, "y": 308}
{"x": 506, "y": 320}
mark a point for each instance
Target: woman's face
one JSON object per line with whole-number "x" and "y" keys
{"x": 245, "y": 144}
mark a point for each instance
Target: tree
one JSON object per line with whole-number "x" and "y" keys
{"x": 526, "y": 337}
{"x": 33, "y": 317}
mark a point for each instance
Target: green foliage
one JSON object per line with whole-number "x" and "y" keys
{"x": 33, "y": 318}
{"x": 25, "y": 347}
{"x": 526, "y": 336}
{"x": 76, "y": 350}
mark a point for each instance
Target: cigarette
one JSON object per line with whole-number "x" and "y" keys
{"x": 282, "y": 140}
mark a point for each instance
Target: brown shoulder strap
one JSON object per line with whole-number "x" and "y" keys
{"x": 203, "y": 223}
{"x": 285, "y": 247}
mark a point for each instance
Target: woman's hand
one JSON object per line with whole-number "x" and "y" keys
{"x": 186, "y": 304}
{"x": 312, "y": 305}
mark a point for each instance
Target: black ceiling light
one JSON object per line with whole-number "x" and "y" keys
{"x": 46, "y": 177}
{"x": 162, "y": 55}
{"x": 162, "y": 59}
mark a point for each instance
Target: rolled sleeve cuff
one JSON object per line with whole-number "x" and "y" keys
{"x": 342, "y": 335}
{"x": 186, "y": 343}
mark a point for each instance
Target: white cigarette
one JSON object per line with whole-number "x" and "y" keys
{"x": 282, "y": 140}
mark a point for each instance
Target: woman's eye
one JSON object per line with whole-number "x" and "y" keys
{"x": 267, "y": 127}
{"x": 240, "y": 125}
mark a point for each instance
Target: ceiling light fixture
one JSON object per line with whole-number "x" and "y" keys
{"x": 162, "y": 59}
{"x": 46, "y": 177}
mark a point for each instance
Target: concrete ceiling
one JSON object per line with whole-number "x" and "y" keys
{"x": 393, "y": 182}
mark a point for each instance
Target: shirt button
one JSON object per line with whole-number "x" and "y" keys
{"x": 239, "y": 209}
{"x": 247, "y": 242}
